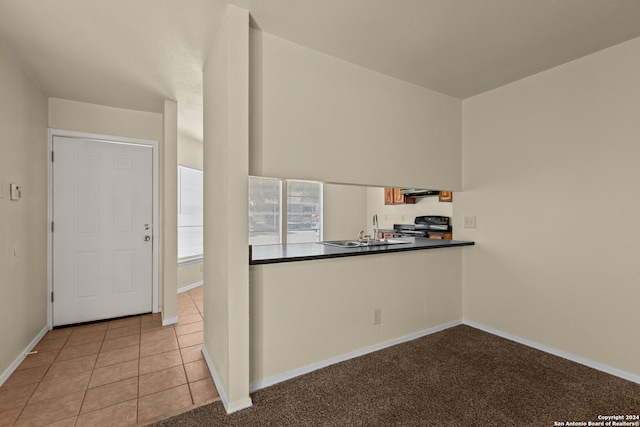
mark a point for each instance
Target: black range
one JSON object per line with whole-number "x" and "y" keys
{"x": 431, "y": 226}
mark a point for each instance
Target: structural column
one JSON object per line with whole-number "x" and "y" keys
{"x": 226, "y": 171}
{"x": 169, "y": 243}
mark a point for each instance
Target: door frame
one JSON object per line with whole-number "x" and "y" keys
{"x": 156, "y": 226}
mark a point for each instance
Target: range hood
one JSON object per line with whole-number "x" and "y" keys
{"x": 414, "y": 192}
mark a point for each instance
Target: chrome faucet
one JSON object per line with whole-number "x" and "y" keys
{"x": 375, "y": 228}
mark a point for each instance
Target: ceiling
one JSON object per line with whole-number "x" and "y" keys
{"x": 136, "y": 53}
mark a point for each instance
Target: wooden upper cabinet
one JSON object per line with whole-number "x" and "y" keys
{"x": 392, "y": 196}
{"x": 398, "y": 198}
{"x": 388, "y": 196}
{"x": 446, "y": 196}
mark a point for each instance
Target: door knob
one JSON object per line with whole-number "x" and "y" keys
{"x": 147, "y": 238}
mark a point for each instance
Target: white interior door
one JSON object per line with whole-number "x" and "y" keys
{"x": 103, "y": 230}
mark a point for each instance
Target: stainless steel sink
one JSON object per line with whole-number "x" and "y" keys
{"x": 356, "y": 243}
{"x": 342, "y": 243}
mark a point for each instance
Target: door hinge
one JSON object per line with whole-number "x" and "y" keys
{"x": 52, "y": 157}
{"x": 51, "y": 296}
{"x": 52, "y": 226}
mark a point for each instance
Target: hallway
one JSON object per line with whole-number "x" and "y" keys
{"x": 118, "y": 373}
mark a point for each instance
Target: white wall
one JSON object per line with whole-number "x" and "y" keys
{"x": 550, "y": 167}
{"x": 23, "y": 223}
{"x": 403, "y": 214}
{"x": 316, "y": 117}
{"x": 226, "y": 229}
{"x": 305, "y": 313}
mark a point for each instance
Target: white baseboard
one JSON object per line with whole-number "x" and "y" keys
{"x": 581, "y": 360}
{"x": 216, "y": 378}
{"x": 229, "y": 407}
{"x": 305, "y": 370}
{"x": 5, "y": 376}
{"x": 189, "y": 287}
{"x": 170, "y": 321}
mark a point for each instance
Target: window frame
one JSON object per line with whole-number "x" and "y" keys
{"x": 281, "y": 212}
{"x": 285, "y": 232}
{"x": 189, "y": 259}
{"x": 284, "y": 204}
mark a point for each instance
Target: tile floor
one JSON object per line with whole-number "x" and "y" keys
{"x": 114, "y": 373}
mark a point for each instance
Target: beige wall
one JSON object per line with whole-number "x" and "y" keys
{"x": 226, "y": 230}
{"x": 305, "y": 313}
{"x": 539, "y": 158}
{"x": 190, "y": 274}
{"x": 169, "y": 218}
{"x": 84, "y": 117}
{"x": 344, "y": 211}
{"x": 216, "y": 295}
{"x": 190, "y": 152}
{"x": 23, "y": 223}
{"x": 320, "y": 118}
{"x": 402, "y": 214}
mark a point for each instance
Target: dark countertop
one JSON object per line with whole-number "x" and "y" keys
{"x": 272, "y": 254}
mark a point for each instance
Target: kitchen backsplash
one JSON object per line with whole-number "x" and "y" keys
{"x": 403, "y": 214}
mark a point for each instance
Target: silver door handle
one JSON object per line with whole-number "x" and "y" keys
{"x": 147, "y": 238}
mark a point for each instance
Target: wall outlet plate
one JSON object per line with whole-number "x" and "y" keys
{"x": 376, "y": 316}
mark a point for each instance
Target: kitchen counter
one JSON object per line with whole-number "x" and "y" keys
{"x": 272, "y": 254}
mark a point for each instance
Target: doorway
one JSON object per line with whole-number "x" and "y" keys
{"x": 103, "y": 209}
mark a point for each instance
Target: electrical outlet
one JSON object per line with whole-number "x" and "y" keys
{"x": 469, "y": 222}
{"x": 376, "y": 316}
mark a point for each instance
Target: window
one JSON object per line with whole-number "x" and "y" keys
{"x": 302, "y": 208}
{"x": 304, "y": 211}
{"x": 190, "y": 213}
{"x": 265, "y": 198}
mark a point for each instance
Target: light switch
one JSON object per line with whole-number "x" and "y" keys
{"x": 469, "y": 222}
{"x": 16, "y": 191}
